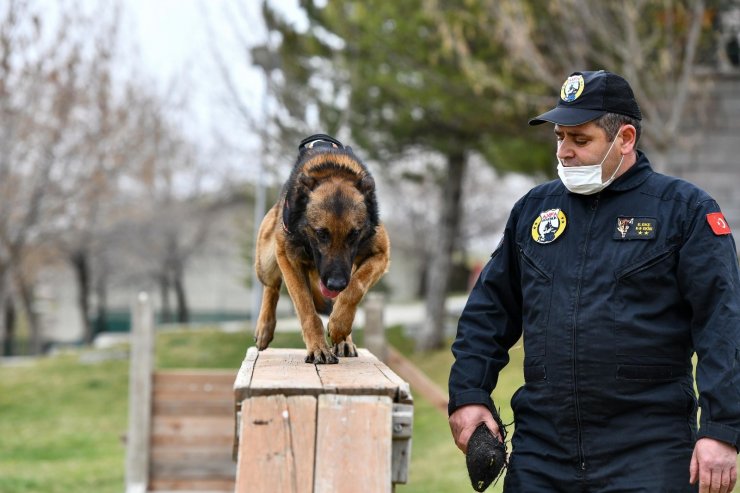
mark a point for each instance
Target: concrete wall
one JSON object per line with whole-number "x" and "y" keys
{"x": 711, "y": 136}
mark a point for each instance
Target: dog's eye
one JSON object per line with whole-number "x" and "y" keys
{"x": 322, "y": 234}
{"x": 353, "y": 235}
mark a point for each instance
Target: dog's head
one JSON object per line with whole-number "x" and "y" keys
{"x": 331, "y": 208}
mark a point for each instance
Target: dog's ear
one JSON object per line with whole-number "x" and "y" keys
{"x": 308, "y": 182}
{"x": 366, "y": 184}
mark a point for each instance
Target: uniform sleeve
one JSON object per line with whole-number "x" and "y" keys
{"x": 489, "y": 325}
{"x": 710, "y": 279}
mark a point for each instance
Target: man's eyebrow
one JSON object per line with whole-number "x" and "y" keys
{"x": 575, "y": 133}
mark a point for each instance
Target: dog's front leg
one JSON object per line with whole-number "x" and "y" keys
{"x": 311, "y": 326}
{"x": 345, "y": 308}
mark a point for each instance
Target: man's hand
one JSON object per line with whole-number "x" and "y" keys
{"x": 713, "y": 465}
{"x": 466, "y": 419}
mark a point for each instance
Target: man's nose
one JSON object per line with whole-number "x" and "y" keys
{"x": 565, "y": 151}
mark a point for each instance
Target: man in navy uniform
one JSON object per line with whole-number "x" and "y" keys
{"x": 640, "y": 274}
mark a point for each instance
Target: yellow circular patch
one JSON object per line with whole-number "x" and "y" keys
{"x": 548, "y": 226}
{"x": 572, "y": 88}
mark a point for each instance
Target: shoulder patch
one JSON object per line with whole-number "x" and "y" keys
{"x": 718, "y": 223}
{"x": 548, "y": 226}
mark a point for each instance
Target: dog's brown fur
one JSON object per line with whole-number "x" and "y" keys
{"x": 323, "y": 234}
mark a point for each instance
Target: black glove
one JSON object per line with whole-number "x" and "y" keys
{"x": 486, "y": 456}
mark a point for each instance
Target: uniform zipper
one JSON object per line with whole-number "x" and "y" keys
{"x": 574, "y": 369}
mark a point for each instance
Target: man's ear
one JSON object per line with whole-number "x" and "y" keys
{"x": 629, "y": 134}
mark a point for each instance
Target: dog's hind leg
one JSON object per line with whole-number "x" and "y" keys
{"x": 267, "y": 320}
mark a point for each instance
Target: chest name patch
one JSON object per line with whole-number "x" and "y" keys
{"x": 548, "y": 226}
{"x": 718, "y": 223}
{"x": 635, "y": 228}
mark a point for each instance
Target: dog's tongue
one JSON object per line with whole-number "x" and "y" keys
{"x": 328, "y": 293}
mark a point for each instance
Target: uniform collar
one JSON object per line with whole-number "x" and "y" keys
{"x": 635, "y": 176}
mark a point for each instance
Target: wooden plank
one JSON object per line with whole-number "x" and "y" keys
{"x": 357, "y": 376}
{"x": 244, "y": 375}
{"x": 418, "y": 380}
{"x": 283, "y": 371}
{"x": 223, "y": 407}
{"x": 190, "y": 485}
{"x": 140, "y": 395}
{"x": 302, "y": 422}
{"x": 185, "y": 379}
{"x": 353, "y": 444}
{"x": 200, "y": 454}
{"x": 192, "y": 425}
{"x": 198, "y": 395}
{"x": 194, "y": 467}
{"x": 273, "y": 442}
{"x": 182, "y": 440}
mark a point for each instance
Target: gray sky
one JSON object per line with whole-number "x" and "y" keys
{"x": 174, "y": 41}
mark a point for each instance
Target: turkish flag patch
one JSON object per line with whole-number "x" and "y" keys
{"x": 718, "y": 223}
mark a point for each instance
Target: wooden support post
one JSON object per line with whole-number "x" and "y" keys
{"x": 375, "y": 326}
{"x": 140, "y": 395}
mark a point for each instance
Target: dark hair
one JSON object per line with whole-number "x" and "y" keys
{"x": 611, "y": 122}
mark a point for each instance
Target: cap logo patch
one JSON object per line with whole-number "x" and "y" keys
{"x": 572, "y": 88}
{"x": 548, "y": 226}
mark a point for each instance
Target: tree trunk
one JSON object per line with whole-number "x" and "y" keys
{"x": 164, "y": 292}
{"x": 34, "y": 327}
{"x": 431, "y": 334}
{"x": 81, "y": 265}
{"x": 101, "y": 294}
{"x": 9, "y": 325}
{"x": 183, "y": 312}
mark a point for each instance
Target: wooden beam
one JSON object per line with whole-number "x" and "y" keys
{"x": 140, "y": 395}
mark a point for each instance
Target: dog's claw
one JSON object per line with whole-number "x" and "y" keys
{"x": 321, "y": 356}
{"x": 345, "y": 349}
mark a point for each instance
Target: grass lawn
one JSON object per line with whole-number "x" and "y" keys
{"x": 61, "y": 420}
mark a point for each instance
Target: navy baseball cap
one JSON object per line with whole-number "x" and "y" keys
{"x": 586, "y": 96}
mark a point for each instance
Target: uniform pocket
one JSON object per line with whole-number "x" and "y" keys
{"x": 536, "y": 284}
{"x": 649, "y": 313}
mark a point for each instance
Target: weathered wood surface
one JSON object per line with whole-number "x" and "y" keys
{"x": 320, "y": 428}
{"x": 140, "y": 395}
{"x": 192, "y": 431}
{"x": 278, "y": 449}
{"x": 354, "y": 440}
{"x": 283, "y": 371}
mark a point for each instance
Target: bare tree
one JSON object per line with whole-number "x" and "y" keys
{"x": 656, "y": 44}
{"x": 39, "y": 77}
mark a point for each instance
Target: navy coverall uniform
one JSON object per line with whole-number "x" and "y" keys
{"x": 613, "y": 293}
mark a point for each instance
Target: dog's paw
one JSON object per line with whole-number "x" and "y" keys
{"x": 321, "y": 356}
{"x": 263, "y": 334}
{"x": 262, "y": 340}
{"x": 345, "y": 348}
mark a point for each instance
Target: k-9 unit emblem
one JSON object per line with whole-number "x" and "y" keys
{"x": 548, "y": 226}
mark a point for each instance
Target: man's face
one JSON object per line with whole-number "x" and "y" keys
{"x": 585, "y": 145}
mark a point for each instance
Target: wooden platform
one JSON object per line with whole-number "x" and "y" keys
{"x": 320, "y": 428}
{"x": 192, "y": 431}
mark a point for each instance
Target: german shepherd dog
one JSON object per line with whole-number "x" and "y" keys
{"x": 324, "y": 239}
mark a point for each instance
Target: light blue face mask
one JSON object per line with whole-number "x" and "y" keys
{"x": 586, "y": 180}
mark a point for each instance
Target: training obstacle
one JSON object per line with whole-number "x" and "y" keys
{"x": 290, "y": 426}
{"x": 305, "y": 428}
{"x": 181, "y": 422}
